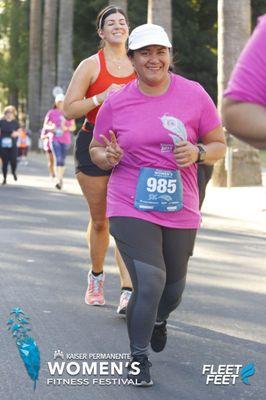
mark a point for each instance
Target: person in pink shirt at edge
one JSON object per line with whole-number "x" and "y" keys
{"x": 47, "y": 138}
{"x": 148, "y": 133}
{"x": 57, "y": 135}
{"x": 244, "y": 112}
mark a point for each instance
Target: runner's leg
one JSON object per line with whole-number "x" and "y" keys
{"x": 140, "y": 245}
{"x": 13, "y": 161}
{"x": 94, "y": 190}
{"x": 178, "y": 246}
{"x": 50, "y": 162}
{"x": 4, "y": 156}
{"x": 125, "y": 280}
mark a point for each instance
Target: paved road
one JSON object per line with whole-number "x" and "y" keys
{"x": 43, "y": 269}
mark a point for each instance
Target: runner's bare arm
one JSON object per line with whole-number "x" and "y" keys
{"x": 75, "y": 103}
{"x": 186, "y": 153}
{"x": 246, "y": 121}
{"x": 215, "y": 145}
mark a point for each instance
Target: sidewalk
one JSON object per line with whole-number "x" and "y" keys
{"x": 238, "y": 208}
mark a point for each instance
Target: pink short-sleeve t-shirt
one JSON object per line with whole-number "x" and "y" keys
{"x": 56, "y": 116}
{"x": 248, "y": 80}
{"x": 143, "y": 126}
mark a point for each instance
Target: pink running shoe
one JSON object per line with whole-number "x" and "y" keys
{"x": 94, "y": 293}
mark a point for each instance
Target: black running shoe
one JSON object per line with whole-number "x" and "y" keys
{"x": 143, "y": 378}
{"x": 159, "y": 337}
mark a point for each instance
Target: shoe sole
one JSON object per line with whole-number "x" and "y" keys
{"x": 96, "y": 303}
{"x": 121, "y": 313}
{"x": 158, "y": 350}
{"x": 121, "y": 316}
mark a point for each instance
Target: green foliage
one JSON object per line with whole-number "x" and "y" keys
{"x": 137, "y": 13}
{"x": 195, "y": 41}
{"x": 258, "y": 8}
{"x": 14, "y": 31}
{"x": 194, "y": 38}
{"x": 86, "y": 40}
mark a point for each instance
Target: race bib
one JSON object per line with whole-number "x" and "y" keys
{"x": 159, "y": 190}
{"x": 6, "y": 142}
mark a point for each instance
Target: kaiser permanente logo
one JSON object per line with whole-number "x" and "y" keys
{"x": 76, "y": 369}
{"x": 227, "y": 374}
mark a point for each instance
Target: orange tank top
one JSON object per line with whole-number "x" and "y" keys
{"x": 103, "y": 81}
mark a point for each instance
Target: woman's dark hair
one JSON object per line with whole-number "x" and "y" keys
{"x": 130, "y": 53}
{"x": 103, "y": 14}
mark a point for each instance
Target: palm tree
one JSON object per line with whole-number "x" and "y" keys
{"x": 160, "y": 13}
{"x": 48, "y": 54}
{"x": 14, "y": 49}
{"x": 234, "y": 24}
{"x": 34, "y": 77}
{"x": 65, "y": 38}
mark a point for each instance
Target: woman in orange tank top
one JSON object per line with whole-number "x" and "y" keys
{"x": 93, "y": 80}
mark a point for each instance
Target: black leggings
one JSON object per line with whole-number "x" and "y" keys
{"x": 156, "y": 258}
{"x": 204, "y": 175}
{"x": 9, "y": 156}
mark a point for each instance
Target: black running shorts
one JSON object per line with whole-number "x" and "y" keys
{"x": 82, "y": 157}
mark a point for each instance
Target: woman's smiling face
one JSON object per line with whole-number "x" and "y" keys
{"x": 115, "y": 29}
{"x": 152, "y": 64}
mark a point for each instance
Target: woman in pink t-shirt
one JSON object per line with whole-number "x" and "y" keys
{"x": 245, "y": 97}
{"x": 56, "y": 134}
{"x": 148, "y": 132}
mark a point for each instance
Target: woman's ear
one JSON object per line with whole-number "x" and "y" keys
{"x": 100, "y": 33}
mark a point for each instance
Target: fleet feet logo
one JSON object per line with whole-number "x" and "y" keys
{"x": 227, "y": 374}
{"x": 246, "y": 372}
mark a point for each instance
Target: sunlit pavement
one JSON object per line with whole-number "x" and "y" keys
{"x": 44, "y": 262}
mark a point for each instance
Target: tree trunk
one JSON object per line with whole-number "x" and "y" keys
{"x": 120, "y": 3}
{"x": 14, "y": 49}
{"x": 65, "y": 38}
{"x": 234, "y": 24}
{"x": 160, "y": 13}
{"x": 48, "y": 55}
{"x": 34, "y": 79}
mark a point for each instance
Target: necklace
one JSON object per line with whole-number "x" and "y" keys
{"x": 118, "y": 64}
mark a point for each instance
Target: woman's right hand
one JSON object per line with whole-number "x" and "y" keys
{"x": 114, "y": 87}
{"x": 113, "y": 151}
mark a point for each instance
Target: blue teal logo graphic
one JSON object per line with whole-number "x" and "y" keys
{"x": 18, "y": 325}
{"x": 246, "y": 372}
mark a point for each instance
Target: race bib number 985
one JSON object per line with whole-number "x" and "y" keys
{"x": 161, "y": 185}
{"x": 159, "y": 190}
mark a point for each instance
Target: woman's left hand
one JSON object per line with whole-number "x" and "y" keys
{"x": 185, "y": 154}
